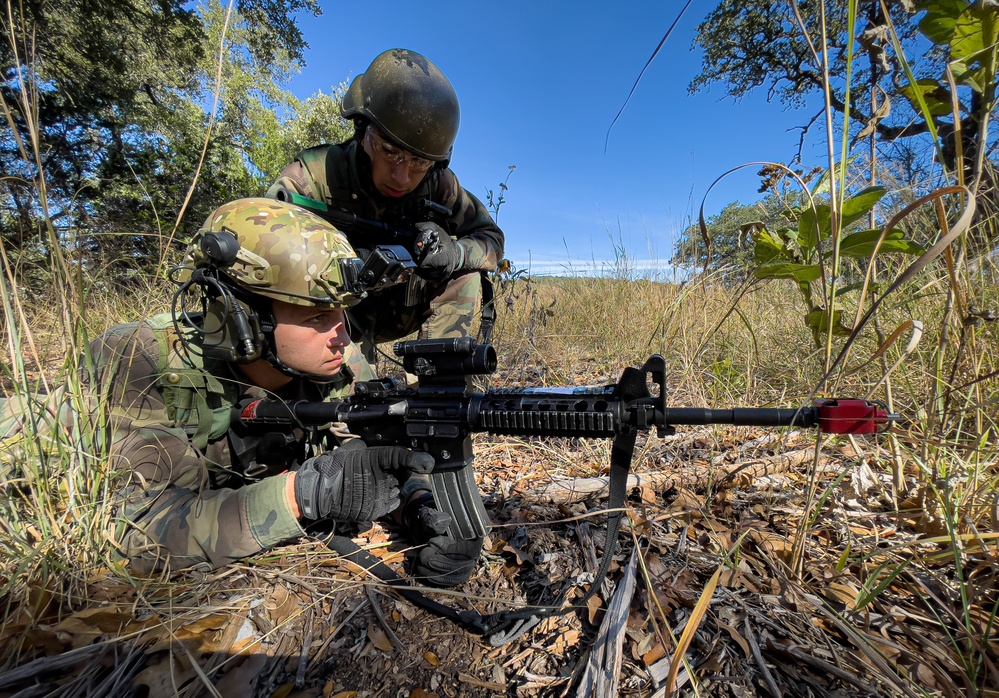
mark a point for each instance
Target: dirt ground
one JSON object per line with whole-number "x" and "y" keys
{"x": 715, "y": 518}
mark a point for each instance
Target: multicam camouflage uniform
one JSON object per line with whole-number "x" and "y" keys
{"x": 187, "y": 496}
{"x": 195, "y": 491}
{"x": 340, "y": 176}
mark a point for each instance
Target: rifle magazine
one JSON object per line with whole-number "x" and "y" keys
{"x": 456, "y": 494}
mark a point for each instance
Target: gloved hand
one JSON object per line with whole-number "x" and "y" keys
{"x": 354, "y": 482}
{"x": 445, "y": 562}
{"x": 438, "y": 255}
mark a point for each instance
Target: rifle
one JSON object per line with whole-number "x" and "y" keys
{"x": 440, "y": 416}
{"x": 374, "y": 232}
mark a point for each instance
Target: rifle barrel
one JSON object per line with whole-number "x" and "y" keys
{"x": 743, "y": 416}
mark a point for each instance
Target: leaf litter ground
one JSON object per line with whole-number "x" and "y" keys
{"x": 788, "y": 614}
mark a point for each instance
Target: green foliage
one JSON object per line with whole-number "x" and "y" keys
{"x": 757, "y": 44}
{"x": 968, "y": 33}
{"x": 117, "y": 99}
{"x": 800, "y": 253}
{"x": 731, "y": 233}
{"x": 317, "y": 121}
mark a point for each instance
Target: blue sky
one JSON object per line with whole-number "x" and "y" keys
{"x": 540, "y": 84}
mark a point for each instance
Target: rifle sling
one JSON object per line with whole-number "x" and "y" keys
{"x": 347, "y": 548}
{"x": 488, "y": 314}
{"x": 506, "y": 626}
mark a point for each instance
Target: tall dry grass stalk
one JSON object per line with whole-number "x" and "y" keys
{"x": 55, "y": 506}
{"x": 725, "y": 345}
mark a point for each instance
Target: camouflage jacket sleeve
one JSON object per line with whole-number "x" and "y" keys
{"x": 294, "y": 178}
{"x": 170, "y": 515}
{"x": 471, "y": 224}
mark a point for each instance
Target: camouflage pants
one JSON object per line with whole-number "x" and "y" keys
{"x": 447, "y": 311}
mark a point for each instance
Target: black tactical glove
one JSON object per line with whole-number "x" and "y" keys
{"x": 445, "y": 562}
{"x": 354, "y": 482}
{"x": 438, "y": 255}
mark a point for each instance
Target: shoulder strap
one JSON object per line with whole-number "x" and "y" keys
{"x": 328, "y": 169}
{"x": 314, "y": 162}
{"x": 195, "y": 399}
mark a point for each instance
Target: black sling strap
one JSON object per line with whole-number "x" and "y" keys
{"x": 506, "y": 626}
{"x": 488, "y": 310}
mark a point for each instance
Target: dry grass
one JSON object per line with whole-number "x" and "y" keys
{"x": 724, "y": 347}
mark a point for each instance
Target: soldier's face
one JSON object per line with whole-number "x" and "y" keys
{"x": 394, "y": 171}
{"x": 309, "y": 339}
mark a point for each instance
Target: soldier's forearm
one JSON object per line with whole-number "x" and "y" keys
{"x": 481, "y": 253}
{"x": 289, "y": 491}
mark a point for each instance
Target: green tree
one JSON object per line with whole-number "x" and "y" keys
{"x": 750, "y": 44}
{"x": 317, "y": 121}
{"x": 114, "y": 96}
{"x": 730, "y": 233}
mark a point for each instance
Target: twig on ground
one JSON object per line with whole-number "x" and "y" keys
{"x": 760, "y": 661}
{"x": 380, "y": 615}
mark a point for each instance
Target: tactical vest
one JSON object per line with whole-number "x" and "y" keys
{"x": 195, "y": 399}
{"x": 202, "y": 405}
{"x": 335, "y": 181}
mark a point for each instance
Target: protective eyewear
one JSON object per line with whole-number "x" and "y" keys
{"x": 395, "y": 155}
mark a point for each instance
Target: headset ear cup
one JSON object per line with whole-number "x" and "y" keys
{"x": 232, "y": 331}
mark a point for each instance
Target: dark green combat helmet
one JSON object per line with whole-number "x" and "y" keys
{"x": 409, "y": 100}
{"x": 248, "y": 253}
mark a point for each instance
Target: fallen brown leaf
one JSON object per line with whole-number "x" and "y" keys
{"x": 281, "y": 604}
{"x": 378, "y": 638}
{"x": 164, "y": 678}
{"x": 654, "y": 654}
{"x": 593, "y": 605}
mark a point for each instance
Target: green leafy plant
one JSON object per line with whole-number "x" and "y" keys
{"x": 970, "y": 34}
{"x": 801, "y": 253}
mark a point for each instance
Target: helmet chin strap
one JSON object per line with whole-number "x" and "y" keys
{"x": 341, "y": 377}
{"x": 267, "y": 325}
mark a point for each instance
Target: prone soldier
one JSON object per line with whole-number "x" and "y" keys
{"x": 260, "y": 312}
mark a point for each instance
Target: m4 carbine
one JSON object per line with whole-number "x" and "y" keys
{"x": 440, "y": 416}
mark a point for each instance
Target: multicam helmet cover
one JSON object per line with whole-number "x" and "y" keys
{"x": 249, "y": 252}
{"x": 285, "y": 253}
